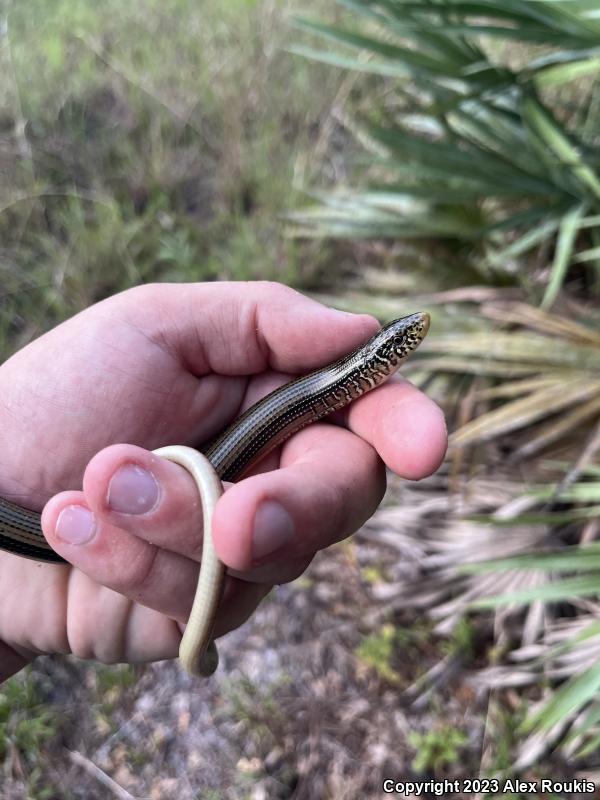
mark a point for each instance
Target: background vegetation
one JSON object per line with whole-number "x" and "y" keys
{"x": 449, "y": 153}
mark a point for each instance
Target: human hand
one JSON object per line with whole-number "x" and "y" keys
{"x": 173, "y": 364}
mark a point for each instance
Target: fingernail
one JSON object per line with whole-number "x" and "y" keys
{"x": 75, "y": 525}
{"x": 273, "y": 529}
{"x": 132, "y": 490}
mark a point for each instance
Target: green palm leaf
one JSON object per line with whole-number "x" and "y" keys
{"x": 471, "y": 138}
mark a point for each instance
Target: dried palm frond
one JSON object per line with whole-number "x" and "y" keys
{"x": 541, "y": 378}
{"x": 568, "y": 650}
{"x": 435, "y": 538}
{"x": 525, "y": 552}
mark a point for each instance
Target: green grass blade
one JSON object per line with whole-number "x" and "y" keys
{"x": 571, "y": 697}
{"x": 457, "y": 49}
{"x": 565, "y": 559}
{"x": 526, "y": 242}
{"x": 555, "y": 138}
{"x": 593, "y": 254}
{"x": 591, "y": 719}
{"x": 467, "y": 161}
{"x": 410, "y": 58}
{"x": 565, "y": 244}
{"x": 559, "y": 75}
{"x": 391, "y": 69}
{"x": 559, "y": 590}
{"x": 541, "y": 518}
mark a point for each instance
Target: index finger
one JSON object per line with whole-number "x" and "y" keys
{"x": 406, "y": 427}
{"x": 243, "y": 328}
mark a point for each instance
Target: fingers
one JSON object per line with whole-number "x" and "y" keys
{"x": 329, "y": 483}
{"x": 107, "y": 626}
{"x": 242, "y": 328}
{"x": 110, "y": 555}
{"x": 131, "y": 489}
{"x": 137, "y": 525}
{"x": 136, "y": 528}
{"x": 127, "y": 369}
{"x": 128, "y": 531}
{"x": 406, "y": 427}
{"x": 113, "y": 564}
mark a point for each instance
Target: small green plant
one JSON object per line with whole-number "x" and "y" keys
{"x": 255, "y": 704}
{"x": 437, "y": 748}
{"x": 115, "y": 676}
{"x": 26, "y": 725}
{"x": 377, "y": 651}
{"x": 210, "y": 795}
{"x": 113, "y": 683}
{"x": 461, "y": 640}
